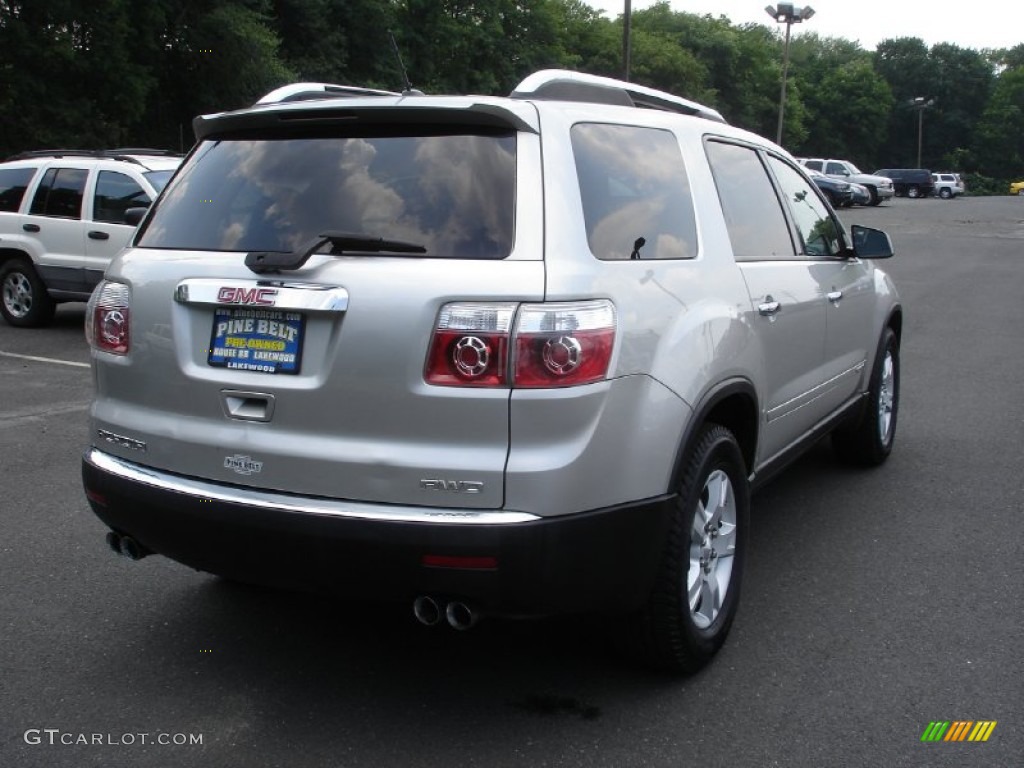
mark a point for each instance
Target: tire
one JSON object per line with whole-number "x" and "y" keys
{"x": 24, "y": 301}
{"x": 697, "y": 589}
{"x": 945, "y": 193}
{"x": 869, "y": 441}
{"x": 875, "y": 199}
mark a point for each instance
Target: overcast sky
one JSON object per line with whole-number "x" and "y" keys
{"x": 968, "y": 23}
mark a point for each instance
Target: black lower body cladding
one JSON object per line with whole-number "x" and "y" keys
{"x": 603, "y": 560}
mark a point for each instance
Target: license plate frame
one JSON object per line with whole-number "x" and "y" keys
{"x": 257, "y": 340}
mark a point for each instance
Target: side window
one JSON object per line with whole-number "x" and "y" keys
{"x": 60, "y": 193}
{"x": 819, "y": 232}
{"x": 116, "y": 193}
{"x": 836, "y": 169}
{"x": 815, "y": 165}
{"x": 13, "y": 183}
{"x": 635, "y": 192}
{"x": 757, "y": 226}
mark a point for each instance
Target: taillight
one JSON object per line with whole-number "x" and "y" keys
{"x": 470, "y": 346}
{"x": 108, "y": 317}
{"x": 562, "y": 345}
{"x": 551, "y": 345}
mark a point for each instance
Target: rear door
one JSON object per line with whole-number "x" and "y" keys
{"x": 311, "y": 380}
{"x": 54, "y": 219}
{"x": 106, "y": 232}
{"x": 845, "y": 285}
{"x": 787, "y": 304}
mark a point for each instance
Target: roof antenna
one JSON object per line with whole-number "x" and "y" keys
{"x": 409, "y": 90}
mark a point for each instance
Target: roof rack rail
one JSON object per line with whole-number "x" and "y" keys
{"x": 566, "y": 85}
{"x": 144, "y": 151}
{"x": 106, "y": 154}
{"x": 310, "y": 91}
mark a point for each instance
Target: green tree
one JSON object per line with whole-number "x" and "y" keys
{"x": 959, "y": 82}
{"x": 588, "y": 41}
{"x": 49, "y": 50}
{"x": 904, "y": 64}
{"x": 477, "y": 46}
{"x": 734, "y": 69}
{"x": 215, "y": 55}
{"x": 846, "y": 99}
{"x": 338, "y": 41}
{"x": 999, "y": 141}
{"x": 964, "y": 83}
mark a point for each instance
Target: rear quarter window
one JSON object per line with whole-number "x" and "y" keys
{"x": 13, "y": 183}
{"x": 60, "y": 193}
{"x": 635, "y": 192}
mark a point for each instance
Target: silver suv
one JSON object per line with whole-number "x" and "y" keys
{"x": 879, "y": 187}
{"x": 508, "y": 356}
{"x": 63, "y": 217}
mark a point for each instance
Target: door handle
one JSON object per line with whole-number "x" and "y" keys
{"x": 834, "y": 296}
{"x": 30, "y": 227}
{"x": 768, "y": 307}
{"x": 95, "y": 234}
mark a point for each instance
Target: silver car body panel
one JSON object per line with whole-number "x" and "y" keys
{"x": 290, "y": 504}
{"x": 359, "y": 425}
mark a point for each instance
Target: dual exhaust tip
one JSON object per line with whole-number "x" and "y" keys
{"x": 126, "y": 546}
{"x": 458, "y": 615}
{"x": 426, "y": 609}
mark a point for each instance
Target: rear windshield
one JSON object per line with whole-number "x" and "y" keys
{"x": 452, "y": 194}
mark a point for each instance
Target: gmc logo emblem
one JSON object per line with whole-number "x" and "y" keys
{"x": 261, "y": 296}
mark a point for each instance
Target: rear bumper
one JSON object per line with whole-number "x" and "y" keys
{"x": 504, "y": 563}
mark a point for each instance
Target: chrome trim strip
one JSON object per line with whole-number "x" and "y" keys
{"x": 280, "y": 502}
{"x": 811, "y": 395}
{"x": 277, "y": 294}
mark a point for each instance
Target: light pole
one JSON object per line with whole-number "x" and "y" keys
{"x": 920, "y": 103}
{"x": 788, "y": 14}
{"x": 627, "y": 48}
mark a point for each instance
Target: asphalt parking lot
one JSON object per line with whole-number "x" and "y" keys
{"x": 876, "y": 602}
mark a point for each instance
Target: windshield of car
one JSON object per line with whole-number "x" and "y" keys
{"x": 854, "y": 168}
{"x": 158, "y": 179}
{"x": 452, "y": 193}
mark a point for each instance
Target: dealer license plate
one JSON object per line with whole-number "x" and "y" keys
{"x": 261, "y": 340}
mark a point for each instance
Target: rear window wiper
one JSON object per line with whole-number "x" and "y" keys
{"x": 262, "y": 262}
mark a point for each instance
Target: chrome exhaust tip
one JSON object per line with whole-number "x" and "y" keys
{"x": 426, "y": 610}
{"x": 131, "y": 549}
{"x": 126, "y": 546}
{"x": 114, "y": 542}
{"x": 460, "y": 616}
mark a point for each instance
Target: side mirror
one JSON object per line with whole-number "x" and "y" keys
{"x": 133, "y": 216}
{"x": 870, "y": 243}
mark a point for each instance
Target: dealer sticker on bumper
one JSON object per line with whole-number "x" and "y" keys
{"x": 262, "y": 340}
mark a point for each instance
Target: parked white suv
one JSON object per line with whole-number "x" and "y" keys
{"x": 62, "y": 219}
{"x": 508, "y": 356}
{"x": 948, "y": 185}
